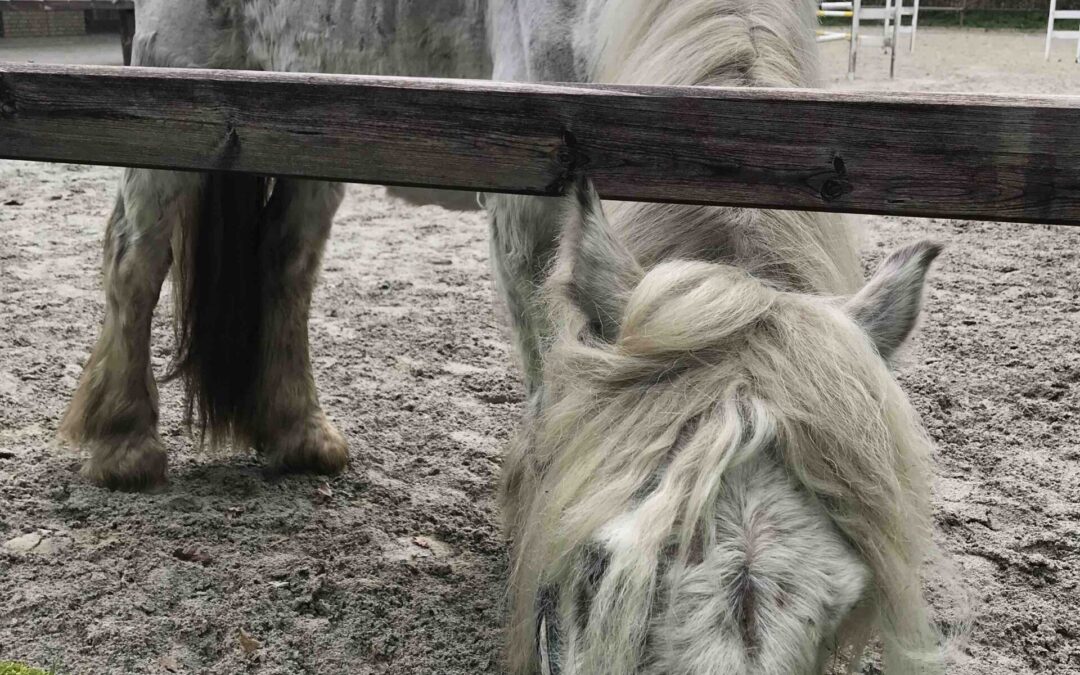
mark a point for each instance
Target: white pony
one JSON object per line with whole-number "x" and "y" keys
{"x": 244, "y": 250}
{"x": 717, "y": 472}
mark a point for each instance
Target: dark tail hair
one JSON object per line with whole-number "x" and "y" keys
{"x": 218, "y": 297}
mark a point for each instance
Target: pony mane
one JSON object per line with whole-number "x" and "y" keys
{"x": 732, "y": 43}
{"x": 712, "y": 367}
{"x": 714, "y": 42}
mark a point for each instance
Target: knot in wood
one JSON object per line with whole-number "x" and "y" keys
{"x": 835, "y": 188}
{"x": 8, "y": 108}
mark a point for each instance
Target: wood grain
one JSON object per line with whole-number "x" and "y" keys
{"x": 944, "y": 155}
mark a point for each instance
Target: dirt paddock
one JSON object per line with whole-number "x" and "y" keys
{"x": 397, "y": 565}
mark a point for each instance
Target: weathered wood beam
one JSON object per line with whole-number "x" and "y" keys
{"x": 944, "y": 155}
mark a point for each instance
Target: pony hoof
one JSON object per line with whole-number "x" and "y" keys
{"x": 322, "y": 450}
{"x": 130, "y": 465}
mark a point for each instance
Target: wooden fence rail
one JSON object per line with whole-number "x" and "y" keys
{"x": 943, "y": 155}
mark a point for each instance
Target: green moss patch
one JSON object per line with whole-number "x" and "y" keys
{"x": 11, "y": 668}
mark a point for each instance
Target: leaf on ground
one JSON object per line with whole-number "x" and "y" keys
{"x": 248, "y": 644}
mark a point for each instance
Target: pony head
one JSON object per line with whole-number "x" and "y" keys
{"x": 719, "y": 475}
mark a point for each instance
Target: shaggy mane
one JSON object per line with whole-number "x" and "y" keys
{"x": 728, "y": 43}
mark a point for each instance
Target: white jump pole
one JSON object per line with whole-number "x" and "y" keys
{"x": 885, "y": 23}
{"x": 914, "y": 26}
{"x": 897, "y": 18}
{"x": 1050, "y": 28}
{"x": 853, "y": 48}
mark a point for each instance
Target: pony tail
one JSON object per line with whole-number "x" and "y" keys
{"x": 216, "y": 283}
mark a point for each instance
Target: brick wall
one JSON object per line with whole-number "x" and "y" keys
{"x": 41, "y": 24}
{"x": 103, "y": 21}
{"x": 67, "y": 23}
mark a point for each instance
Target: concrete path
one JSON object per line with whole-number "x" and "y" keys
{"x": 102, "y": 50}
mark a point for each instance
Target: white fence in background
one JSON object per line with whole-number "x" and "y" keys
{"x": 1062, "y": 15}
{"x": 890, "y": 15}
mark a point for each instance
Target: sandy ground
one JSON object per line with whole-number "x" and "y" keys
{"x": 397, "y": 565}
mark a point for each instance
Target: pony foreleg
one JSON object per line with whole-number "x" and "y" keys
{"x": 524, "y": 235}
{"x": 114, "y": 412}
{"x": 292, "y": 432}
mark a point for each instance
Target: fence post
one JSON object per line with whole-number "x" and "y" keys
{"x": 127, "y": 33}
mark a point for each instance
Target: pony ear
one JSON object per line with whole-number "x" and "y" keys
{"x": 888, "y": 306}
{"x": 597, "y": 270}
